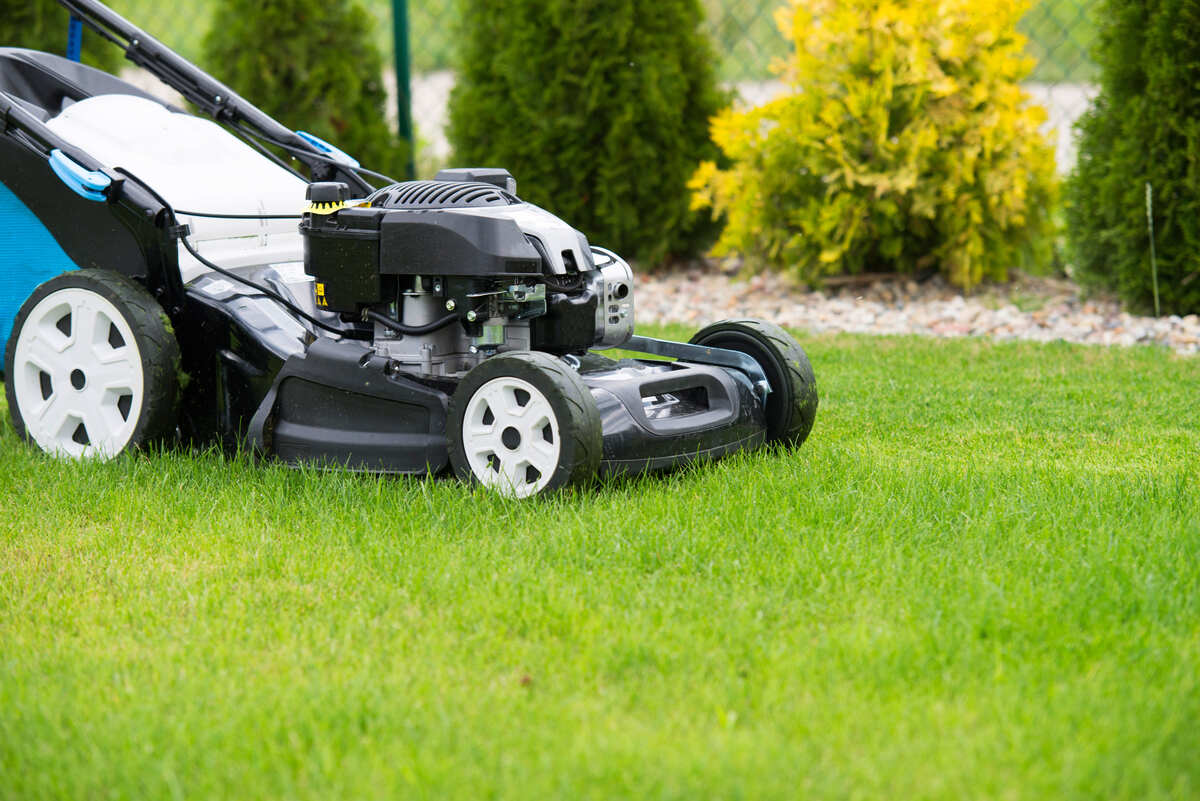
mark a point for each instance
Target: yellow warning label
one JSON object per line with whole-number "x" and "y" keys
{"x": 321, "y": 295}
{"x": 325, "y": 208}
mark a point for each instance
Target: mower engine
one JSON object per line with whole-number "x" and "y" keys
{"x": 458, "y": 269}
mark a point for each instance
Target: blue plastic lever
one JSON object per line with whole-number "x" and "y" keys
{"x": 74, "y": 38}
{"x": 328, "y": 149}
{"x": 91, "y": 184}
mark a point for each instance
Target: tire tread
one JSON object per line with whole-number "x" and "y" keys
{"x": 797, "y": 419}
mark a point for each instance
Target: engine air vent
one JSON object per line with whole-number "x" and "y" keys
{"x": 414, "y": 195}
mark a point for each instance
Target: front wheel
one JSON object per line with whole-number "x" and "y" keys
{"x": 91, "y": 366}
{"x": 522, "y": 424}
{"x": 792, "y": 404}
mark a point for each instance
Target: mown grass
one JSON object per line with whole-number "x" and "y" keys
{"x": 980, "y": 578}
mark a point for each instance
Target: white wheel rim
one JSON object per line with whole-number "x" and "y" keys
{"x": 510, "y": 437}
{"x": 77, "y": 375}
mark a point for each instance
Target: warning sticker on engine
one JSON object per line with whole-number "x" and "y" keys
{"x": 321, "y": 295}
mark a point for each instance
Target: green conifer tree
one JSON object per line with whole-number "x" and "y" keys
{"x": 312, "y": 66}
{"x": 1144, "y": 128}
{"x": 599, "y": 108}
{"x": 42, "y": 25}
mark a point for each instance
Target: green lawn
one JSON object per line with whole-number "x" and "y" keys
{"x": 979, "y": 579}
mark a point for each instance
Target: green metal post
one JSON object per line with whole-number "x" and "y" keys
{"x": 403, "y": 82}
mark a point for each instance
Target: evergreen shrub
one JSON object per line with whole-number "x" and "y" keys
{"x": 314, "y": 67}
{"x": 1144, "y": 127}
{"x": 903, "y": 142}
{"x": 599, "y": 108}
{"x": 42, "y": 25}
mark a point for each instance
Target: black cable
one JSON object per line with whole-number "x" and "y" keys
{"x": 270, "y": 293}
{"x": 246, "y": 136}
{"x": 275, "y": 296}
{"x": 240, "y": 216}
{"x": 30, "y": 143}
{"x": 309, "y": 154}
{"x": 411, "y": 330}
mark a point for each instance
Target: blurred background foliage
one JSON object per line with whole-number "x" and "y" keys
{"x": 307, "y": 77}
{"x": 1061, "y": 33}
{"x": 1063, "y": 37}
{"x": 42, "y": 25}
{"x": 600, "y": 108}
{"x": 902, "y": 143}
{"x": 1139, "y": 147}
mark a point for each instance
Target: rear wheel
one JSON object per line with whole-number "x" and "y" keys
{"x": 91, "y": 366}
{"x": 792, "y": 404}
{"x": 522, "y": 424}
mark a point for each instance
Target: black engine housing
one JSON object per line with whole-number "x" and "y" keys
{"x": 408, "y": 229}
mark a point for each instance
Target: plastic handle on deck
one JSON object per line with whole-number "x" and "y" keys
{"x": 91, "y": 184}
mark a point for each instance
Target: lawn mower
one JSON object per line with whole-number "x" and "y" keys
{"x": 218, "y": 277}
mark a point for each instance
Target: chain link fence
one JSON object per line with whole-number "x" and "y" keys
{"x": 1060, "y": 32}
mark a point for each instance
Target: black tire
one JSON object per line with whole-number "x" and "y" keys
{"x": 577, "y": 446}
{"x": 145, "y": 414}
{"x": 792, "y": 404}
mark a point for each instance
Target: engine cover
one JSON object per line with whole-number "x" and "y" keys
{"x": 347, "y": 250}
{"x": 517, "y": 276}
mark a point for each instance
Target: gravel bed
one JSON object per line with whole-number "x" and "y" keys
{"x": 1042, "y": 310}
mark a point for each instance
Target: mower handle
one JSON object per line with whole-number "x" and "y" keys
{"x": 210, "y": 95}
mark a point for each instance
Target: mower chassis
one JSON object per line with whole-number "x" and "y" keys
{"x": 258, "y": 374}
